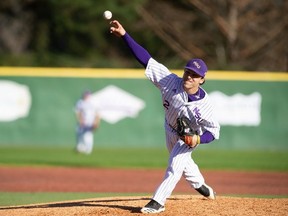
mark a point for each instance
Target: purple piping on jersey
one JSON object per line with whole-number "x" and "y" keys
{"x": 200, "y": 94}
{"x": 141, "y": 54}
{"x": 206, "y": 137}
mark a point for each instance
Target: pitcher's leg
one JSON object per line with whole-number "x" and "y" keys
{"x": 192, "y": 174}
{"x": 196, "y": 180}
{"x": 177, "y": 162}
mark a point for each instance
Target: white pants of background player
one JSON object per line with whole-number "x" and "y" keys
{"x": 180, "y": 164}
{"x": 85, "y": 140}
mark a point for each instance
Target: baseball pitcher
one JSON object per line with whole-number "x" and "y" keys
{"x": 189, "y": 119}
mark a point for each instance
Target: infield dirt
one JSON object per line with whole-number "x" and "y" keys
{"x": 226, "y": 183}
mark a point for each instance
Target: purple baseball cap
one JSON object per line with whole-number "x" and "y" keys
{"x": 198, "y": 66}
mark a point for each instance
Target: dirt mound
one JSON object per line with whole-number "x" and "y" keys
{"x": 176, "y": 205}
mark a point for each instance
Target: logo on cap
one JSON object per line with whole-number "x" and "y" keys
{"x": 196, "y": 64}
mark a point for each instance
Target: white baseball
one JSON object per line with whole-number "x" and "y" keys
{"x": 107, "y": 15}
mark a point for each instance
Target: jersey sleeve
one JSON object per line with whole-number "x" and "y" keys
{"x": 209, "y": 122}
{"x": 141, "y": 54}
{"x": 158, "y": 74}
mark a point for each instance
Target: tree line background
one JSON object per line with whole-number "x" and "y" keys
{"x": 229, "y": 35}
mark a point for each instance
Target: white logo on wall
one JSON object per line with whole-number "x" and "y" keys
{"x": 238, "y": 109}
{"x": 15, "y": 100}
{"x": 115, "y": 104}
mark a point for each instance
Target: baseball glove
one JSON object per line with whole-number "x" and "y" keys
{"x": 186, "y": 133}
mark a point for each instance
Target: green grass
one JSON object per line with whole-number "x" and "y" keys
{"x": 20, "y": 198}
{"x": 23, "y": 156}
{"x": 143, "y": 158}
{"x": 242, "y": 160}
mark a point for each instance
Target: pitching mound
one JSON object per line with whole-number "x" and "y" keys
{"x": 176, "y": 205}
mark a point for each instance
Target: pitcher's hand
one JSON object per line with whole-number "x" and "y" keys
{"x": 117, "y": 29}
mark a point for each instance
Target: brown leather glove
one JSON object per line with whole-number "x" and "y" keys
{"x": 186, "y": 133}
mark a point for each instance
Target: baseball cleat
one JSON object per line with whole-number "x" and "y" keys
{"x": 152, "y": 207}
{"x": 207, "y": 192}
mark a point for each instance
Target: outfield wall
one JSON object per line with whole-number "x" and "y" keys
{"x": 252, "y": 107}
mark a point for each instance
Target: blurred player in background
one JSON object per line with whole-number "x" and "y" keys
{"x": 88, "y": 121}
